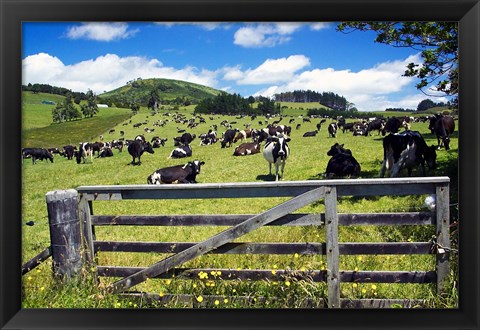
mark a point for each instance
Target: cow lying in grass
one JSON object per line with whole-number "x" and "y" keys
{"x": 186, "y": 173}
{"x": 342, "y": 162}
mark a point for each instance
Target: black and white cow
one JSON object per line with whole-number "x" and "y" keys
{"x": 84, "y": 151}
{"x": 181, "y": 152}
{"x": 342, "y": 163}
{"x": 247, "y": 148}
{"x": 332, "y": 129}
{"x": 36, "y": 154}
{"x": 228, "y": 137}
{"x": 157, "y": 142}
{"x": 180, "y": 173}
{"x": 136, "y": 148}
{"x": 406, "y": 150}
{"x": 276, "y": 151}
{"x": 443, "y": 127}
{"x": 105, "y": 152}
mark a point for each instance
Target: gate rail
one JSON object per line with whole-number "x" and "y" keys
{"x": 302, "y": 193}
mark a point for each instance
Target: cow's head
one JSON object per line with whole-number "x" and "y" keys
{"x": 430, "y": 156}
{"x": 78, "y": 156}
{"x": 281, "y": 146}
{"x": 335, "y": 149}
{"x": 195, "y": 166}
{"x": 148, "y": 148}
{"x": 446, "y": 142}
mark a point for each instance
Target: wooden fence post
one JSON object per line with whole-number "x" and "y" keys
{"x": 85, "y": 214}
{"x": 65, "y": 234}
{"x": 443, "y": 235}
{"x": 331, "y": 225}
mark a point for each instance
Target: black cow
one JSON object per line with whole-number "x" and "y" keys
{"x": 443, "y": 127}
{"x": 342, "y": 162}
{"x": 406, "y": 150}
{"x": 180, "y": 173}
{"x": 310, "y": 133}
{"x": 392, "y": 126}
{"x": 36, "y": 153}
{"x": 69, "y": 151}
{"x": 377, "y": 124}
{"x": 228, "y": 137}
{"x": 332, "y": 129}
{"x": 245, "y": 149}
{"x": 181, "y": 152}
{"x": 136, "y": 149}
{"x": 276, "y": 151}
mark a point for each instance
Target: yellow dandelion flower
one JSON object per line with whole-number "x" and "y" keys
{"x": 225, "y": 300}
{"x": 118, "y": 305}
{"x": 234, "y": 290}
{"x": 199, "y": 299}
{"x": 29, "y": 278}
{"x": 287, "y": 283}
{"x": 216, "y": 302}
{"x": 354, "y": 285}
{"x": 374, "y": 287}
{"x": 219, "y": 273}
{"x": 296, "y": 256}
{"x": 322, "y": 268}
{"x": 303, "y": 269}
{"x": 356, "y": 269}
{"x": 135, "y": 305}
{"x": 364, "y": 290}
{"x": 274, "y": 271}
{"x": 360, "y": 258}
{"x": 214, "y": 273}
{"x": 168, "y": 282}
{"x": 274, "y": 266}
{"x": 375, "y": 294}
{"x": 39, "y": 271}
{"x": 161, "y": 294}
{"x": 42, "y": 288}
{"x": 194, "y": 285}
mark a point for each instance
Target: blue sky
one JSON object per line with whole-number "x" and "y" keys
{"x": 244, "y": 58}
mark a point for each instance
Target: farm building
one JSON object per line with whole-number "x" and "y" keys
{"x": 48, "y": 102}
{"x": 102, "y": 105}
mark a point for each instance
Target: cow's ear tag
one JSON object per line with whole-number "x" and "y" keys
{"x": 440, "y": 250}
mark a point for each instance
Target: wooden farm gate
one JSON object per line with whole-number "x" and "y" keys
{"x": 302, "y": 193}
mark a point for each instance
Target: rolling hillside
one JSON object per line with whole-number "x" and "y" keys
{"x": 168, "y": 89}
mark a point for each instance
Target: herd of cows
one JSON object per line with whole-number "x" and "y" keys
{"x": 402, "y": 149}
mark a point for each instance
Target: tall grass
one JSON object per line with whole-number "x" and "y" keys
{"x": 307, "y": 161}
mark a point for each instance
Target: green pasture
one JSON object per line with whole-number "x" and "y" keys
{"x": 308, "y": 161}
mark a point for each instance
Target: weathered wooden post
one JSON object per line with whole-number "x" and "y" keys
{"x": 443, "y": 235}
{"x": 65, "y": 233}
{"x": 331, "y": 225}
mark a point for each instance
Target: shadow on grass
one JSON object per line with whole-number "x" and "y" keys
{"x": 267, "y": 177}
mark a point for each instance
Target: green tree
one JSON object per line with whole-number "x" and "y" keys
{"x": 425, "y": 105}
{"x": 437, "y": 41}
{"x": 65, "y": 110}
{"x": 154, "y": 100}
{"x": 90, "y": 108}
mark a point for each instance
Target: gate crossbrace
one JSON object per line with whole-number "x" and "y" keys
{"x": 219, "y": 239}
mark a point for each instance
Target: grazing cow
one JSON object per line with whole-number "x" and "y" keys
{"x": 276, "y": 151}
{"x": 332, "y": 129}
{"x": 117, "y": 144}
{"x": 377, "y": 124}
{"x": 310, "y": 133}
{"x": 69, "y": 151}
{"x": 245, "y": 149}
{"x": 157, "y": 142}
{"x": 105, "y": 152}
{"x": 83, "y": 152}
{"x": 406, "y": 150}
{"x": 228, "y": 137}
{"x": 342, "y": 162}
{"x": 136, "y": 148}
{"x": 96, "y": 146}
{"x": 181, "y": 152}
{"x": 392, "y": 126}
{"x": 37, "y": 153}
{"x": 443, "y": 127}
{"x": 180, "y": 173}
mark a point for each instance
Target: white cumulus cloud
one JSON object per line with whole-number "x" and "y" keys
{"x": 265, "y": 34}
{"x": 271, "y": 71}
{"x": 101, "y": 31}
{"x": 105, "y": 72}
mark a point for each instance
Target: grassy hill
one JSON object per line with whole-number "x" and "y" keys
{"x": 168, "y": 90}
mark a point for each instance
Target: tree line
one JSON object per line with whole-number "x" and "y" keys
{"x": 234, "y": 104}
{"x": 67, "y": 111}
{"x": 45, "y": 88}
{"x": 328, "y": 99}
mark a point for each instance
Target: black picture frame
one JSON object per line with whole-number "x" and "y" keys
{"x": 13, "y": 13}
